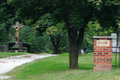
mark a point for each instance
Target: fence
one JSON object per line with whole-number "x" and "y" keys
{"x": 117, "y": 56}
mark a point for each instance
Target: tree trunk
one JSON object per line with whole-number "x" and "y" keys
{"x": 73, "y": 55}
{"x": 55, "y": 50}
{"x": 6, "y": 42}
{"x": 75, "y": 42}
{"x": 55, "y": 42}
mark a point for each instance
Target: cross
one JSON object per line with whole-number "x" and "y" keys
{"x": 17, "y": 26}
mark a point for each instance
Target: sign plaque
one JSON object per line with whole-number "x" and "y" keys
{"x": 103, "y": 43}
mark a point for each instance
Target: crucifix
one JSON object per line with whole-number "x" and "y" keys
{"x": 17, "y": 26}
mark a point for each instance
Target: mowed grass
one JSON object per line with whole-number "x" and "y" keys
{"x": 57, "y": 68}
{"x": 8, "y": 54}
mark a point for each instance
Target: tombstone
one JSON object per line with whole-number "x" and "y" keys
{"x": 114, "y": 41}
{"x": 21, "y": 45}
{"x": 119, "y": 40}
{"x": 3, "y": 48}
{"x": 82, "y": 51}
{"x": 86, "y": 51}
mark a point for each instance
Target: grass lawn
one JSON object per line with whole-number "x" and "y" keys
{"x": 8, "y": 54}
{"x": 57, "y": 68}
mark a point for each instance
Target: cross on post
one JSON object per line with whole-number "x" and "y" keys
{"x": 17, "y": 26}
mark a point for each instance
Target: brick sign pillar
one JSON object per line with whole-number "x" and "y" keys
{"x": 102, "y": 53}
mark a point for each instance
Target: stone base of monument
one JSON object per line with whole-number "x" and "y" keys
{"x": 16, "y": 45}
{"x": 17, "y": 48}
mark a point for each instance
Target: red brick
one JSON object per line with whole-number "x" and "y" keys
{"x": 96, "y": 55}
{"x": 105, "y": 65}
{"x": 105, "y": 57}
{"x": 102, "y": 63}
{"x": 106, "y": 53}
{"x": 94, "y": 42}
{"x": 96, "y": 47}
{"x": 96, "y": 63}
{"x": 102, "y": 55}
{"x": 110, "y": 66}
{"x": 102, "y": 46}
{"x": 105, "y": 61}
{"x": 96, "y": 51}
{"x": 99, "y": 53}
{"x": 110, "y": 57}
{"x": 110, "y": 41}
{"x": 99, "y": 61}
{"x": 109, "y": 63}
{"x": 109, "y": 46}
{"x": 103, "y": 51}
{"x": 109, "y": 51}
{"x": 106, "y": 49}
{"x": 95, "y": 59}
{"x": 102, "y": 59}
{"x": 103, "y": 39}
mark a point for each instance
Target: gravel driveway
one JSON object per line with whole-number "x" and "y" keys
{"x": 9, "y": 63}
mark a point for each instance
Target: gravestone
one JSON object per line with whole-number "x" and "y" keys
{"x": 119, "y": 40}
{"x": 114, "y": 41}
{"x": 3, "y": 48}
{"x": 82, "y": 51}
{"x": 102, "y": 53}
{"x": 16, "y": 45}
{"x": 21, "y": 45}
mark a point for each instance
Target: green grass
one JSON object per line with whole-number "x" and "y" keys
{"x": 57, "y": 68}
{"x": 8, "y": 54}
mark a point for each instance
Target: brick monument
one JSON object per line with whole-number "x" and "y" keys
{"x": 102, "y": 53}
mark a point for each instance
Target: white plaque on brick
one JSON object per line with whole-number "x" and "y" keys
{"x": 103, "y": 43}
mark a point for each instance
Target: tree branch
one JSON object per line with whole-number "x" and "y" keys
{"x": 68, "y": 29}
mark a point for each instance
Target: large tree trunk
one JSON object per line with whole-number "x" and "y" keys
{"x": 75, "y": 37}
{"x": 73, "y": 55}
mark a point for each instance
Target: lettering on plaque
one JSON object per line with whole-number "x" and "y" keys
{"x": 103, "y": 43}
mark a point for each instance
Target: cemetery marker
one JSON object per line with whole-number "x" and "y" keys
{"x": 102, "y": 53}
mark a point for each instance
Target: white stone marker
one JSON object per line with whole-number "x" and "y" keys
{"x": 114, "y": 41}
